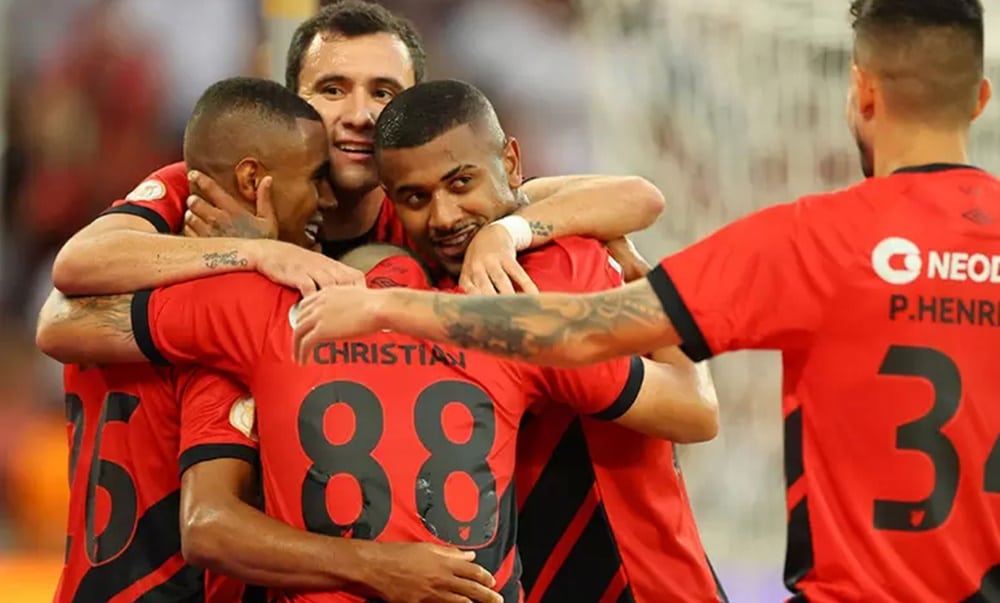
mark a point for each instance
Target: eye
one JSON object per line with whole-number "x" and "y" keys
{"x": 460, "y": 182}
{"x": 332, "y": 90}
{"x": 416, "y": 199}
{"x": 384, "y": 94}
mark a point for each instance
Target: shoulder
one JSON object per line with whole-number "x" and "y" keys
{"x": 571, "y": 264}
{"x": 168, "y": 181}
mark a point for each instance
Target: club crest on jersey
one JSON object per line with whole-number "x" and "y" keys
{"x": 897, "y": 261}
{"x": 149, "y": 190}
{"x": 243, "y": 417}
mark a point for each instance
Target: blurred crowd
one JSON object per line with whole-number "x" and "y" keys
{"x": 97, "y": 93}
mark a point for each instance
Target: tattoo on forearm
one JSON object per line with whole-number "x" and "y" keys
{"x": 229, "y": 259}
{"x": 110, "y": 313}
{"x": 525, "y": 327}
{"x": 541, "y": 229}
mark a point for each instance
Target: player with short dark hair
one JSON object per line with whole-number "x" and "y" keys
{"x": 881, "y": 298}
{"x": 352, "y": 19}
{"x": 451, "y": 169}
{"x": 134, "y": 428}
{"x": 219, "y": 142}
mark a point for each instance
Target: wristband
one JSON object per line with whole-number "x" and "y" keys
{"x": 519, "y": 230}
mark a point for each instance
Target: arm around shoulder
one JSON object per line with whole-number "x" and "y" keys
{"x": 603, "y": 207}
{"x": 87, "y": 329}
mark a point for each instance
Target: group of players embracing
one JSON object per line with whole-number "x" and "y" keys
{"x": 348, "y": 413}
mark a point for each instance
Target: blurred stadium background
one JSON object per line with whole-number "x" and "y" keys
{"x": 728, "y": 105}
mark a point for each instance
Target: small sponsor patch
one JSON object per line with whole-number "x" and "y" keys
{"x": 243, "y": 417}
{"x": 150, "y": 190}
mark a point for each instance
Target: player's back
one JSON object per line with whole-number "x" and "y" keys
{"x": 891, "y": 414}
{"x": 382, "y": 437}
{"x": 392, "y": 439}
{"x": 123, "y": 533}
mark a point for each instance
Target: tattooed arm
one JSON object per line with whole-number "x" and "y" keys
{"x": 551, "y": 329}
{"x": 87, "y": 329}
{"x": 603, "y": 207}
{"x": 121, "y": 253}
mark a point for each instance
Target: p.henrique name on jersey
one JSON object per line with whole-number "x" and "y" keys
{"x": 898, "y": 261}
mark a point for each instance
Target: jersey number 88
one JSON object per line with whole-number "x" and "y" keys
{"x": 354, "y": 458}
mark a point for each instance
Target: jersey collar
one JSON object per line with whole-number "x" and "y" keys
{"x": 935, "y": 167}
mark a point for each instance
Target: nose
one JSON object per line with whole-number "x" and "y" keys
{"x": 445, "y": 213}
{"x": 361, "y": 113}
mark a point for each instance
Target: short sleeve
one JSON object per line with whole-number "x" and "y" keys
{"x": 217, "y": 419}
{"x": 762, "y": 282}
{"x": 161, "y": 199}
{"x": 572, "y": 265}
{"x": 223, "y": 321}
{"x": 604, "y": 391}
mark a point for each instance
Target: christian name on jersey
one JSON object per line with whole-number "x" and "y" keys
{"x": 361, "y": 352}
{"x": 899, "y": 261}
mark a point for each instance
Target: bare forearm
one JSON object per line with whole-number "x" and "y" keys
{"x": 602, "y": 207}
{"x": 121, "y": 261}
{"x": 87, "y": 329}
{"x": 549, "y": 329}
{"x": 246, "y": 544}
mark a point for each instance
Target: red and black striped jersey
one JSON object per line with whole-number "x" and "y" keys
{"x": 605, "y": 517}
{"x": 126, "y": 428}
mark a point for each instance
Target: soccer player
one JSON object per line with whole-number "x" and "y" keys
{"x": 434, "y": 465}
{"x": 348, "y": 61}
{"x": 881, "y": 299}
{"x": 585, "y": 493}
{"x": 135, "y": 428}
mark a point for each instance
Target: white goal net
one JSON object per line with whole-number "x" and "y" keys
{"x": 728, "y": 106}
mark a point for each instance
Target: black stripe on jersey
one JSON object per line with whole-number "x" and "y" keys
{"x": 799, "y": 553}
{"x": 157, "y": 538}
{"x": 209, "y": 452}
{"x": 794, "y": 467}
{"x": 591, "y": 566}
{"x": 989, "y": 589}
{"x": 147, "y": 214}
{"x": 694, "y": 344}
{"x": 185, "y": 586}
{"x": 625, "y": 400}
{"x": 625, "y": 597}
{"x": 140, "y": 328}
{"x": 554, "y": 501}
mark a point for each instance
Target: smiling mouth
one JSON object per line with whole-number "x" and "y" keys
{"x": 355, "y": 148}
{"x": 454, "y": 246}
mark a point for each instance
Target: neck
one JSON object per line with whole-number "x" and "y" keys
{"x": 353, "y": 216}
{"x": 908, "y": 145}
